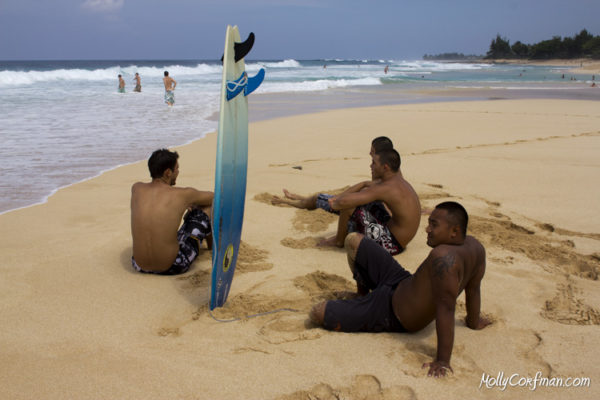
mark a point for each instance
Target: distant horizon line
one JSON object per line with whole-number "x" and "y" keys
{"x": 209, "y": 59}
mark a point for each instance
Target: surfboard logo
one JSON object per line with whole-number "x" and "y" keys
{"x": 228, "y": 258}
{"x": 245, "y": 83}
{"x": 235, "y": 87}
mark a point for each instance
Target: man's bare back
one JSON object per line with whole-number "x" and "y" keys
{"x": 414, "y": 302}
{"x": 156, "y": 212}
{"x": 170, "y": 83}
{"x": 403, "y": 203}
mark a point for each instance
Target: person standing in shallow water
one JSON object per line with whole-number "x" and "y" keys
{"x": 121, "y": 84}
{"x": 170, "y": 84}
{"x": 138, "y": 83}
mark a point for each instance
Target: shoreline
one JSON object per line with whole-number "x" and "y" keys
{"x": 268, "y": 106}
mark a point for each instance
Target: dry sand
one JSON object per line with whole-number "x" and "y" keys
{"x": 77, "y": 323}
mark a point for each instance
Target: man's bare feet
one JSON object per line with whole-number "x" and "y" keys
{"x": 330, "y": 242}
{"x": 276, "y": 200}
{"x": 346, "y": 295}
{"x": 292, "y": 196}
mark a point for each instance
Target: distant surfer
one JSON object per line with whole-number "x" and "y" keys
{"x": 121, "y": 84}
{"x": 391, "y": 299}
{"x": 386, "y": 69}
{"x": 385, "y": 209}
{"x": 160, "y": 245}
{"x": 138, "y": 83}
{"x": 169, "y": 89}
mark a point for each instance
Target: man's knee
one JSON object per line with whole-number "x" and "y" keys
{"x": 317, "y": 313}
{"x": 352, "y": 242}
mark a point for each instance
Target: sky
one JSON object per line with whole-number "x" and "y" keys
{"x": 284, "y": 29}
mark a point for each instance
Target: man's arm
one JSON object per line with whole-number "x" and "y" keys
{"x": 365, "y": 193}
{"x": 473, "y": 299}
{"x": 445, "y": 288}
{"x": 199, "y": 198}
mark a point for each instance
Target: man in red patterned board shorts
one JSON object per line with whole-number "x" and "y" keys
{"x": 386, "y": 209}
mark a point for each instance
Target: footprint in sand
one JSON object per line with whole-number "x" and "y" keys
{"x": 568, "y": 308}
{"x": 551, "y": 254}
{"x": 363, "y": 387}
{"x": 320, "y": 285}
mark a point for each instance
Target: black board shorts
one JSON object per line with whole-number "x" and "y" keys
{"x": 378, "y": 271}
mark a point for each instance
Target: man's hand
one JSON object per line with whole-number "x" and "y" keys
{"x": 483, "y": 322}
{"x": 330, "y": 201}
{"x": 438, "y": 369}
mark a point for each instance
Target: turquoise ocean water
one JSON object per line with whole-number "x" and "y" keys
{"x": 63, "y": 121}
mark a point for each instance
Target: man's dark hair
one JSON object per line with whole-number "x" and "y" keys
{"x": 166, "y": 73}
{"x": 457, "y": 215}
{"x": 160, "y": 161}
{"x": 382, "y": 143}
{"x": 389, "y": 157}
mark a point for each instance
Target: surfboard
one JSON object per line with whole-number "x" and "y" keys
{"x": 231, "y": 164}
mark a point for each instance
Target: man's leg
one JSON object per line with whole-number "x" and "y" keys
{"x": 342, "y": 230}
{"x": 352, "y": 243}
{"x": 317, "y": 313}
{"x": 295, "y": 200}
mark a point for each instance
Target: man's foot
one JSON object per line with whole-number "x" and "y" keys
{"x": 276, "y": 200}
{"x": 346, "y": 295}
{"x": 292, "y": 196}
{"x": 330, "y": 242}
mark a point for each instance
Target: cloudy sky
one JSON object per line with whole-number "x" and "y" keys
{"x": 300, "y": 29}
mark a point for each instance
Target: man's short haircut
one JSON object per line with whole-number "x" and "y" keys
{"x": 389, "y": 157}
{"x": 457, "y": 215}
{"x": 166, "y": 73}
{"x": 160, "y": 161}
{"x": 382, "y": 143}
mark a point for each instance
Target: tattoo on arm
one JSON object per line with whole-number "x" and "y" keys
{"x": 441, "y": 265}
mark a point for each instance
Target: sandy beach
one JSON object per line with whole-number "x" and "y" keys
{"x": 78, "y": 323}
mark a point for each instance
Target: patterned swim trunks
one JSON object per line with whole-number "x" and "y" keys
{"x": 323, "y": 203}
{"x": 195, "y": 227}
{"x": 371, "y": 220}
{"x": 169, "y": 97}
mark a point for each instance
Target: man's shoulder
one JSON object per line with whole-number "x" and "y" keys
{"x": 474, "y": 244}
{"x": 442, "y": 250}
{"x": 138, "y": 185}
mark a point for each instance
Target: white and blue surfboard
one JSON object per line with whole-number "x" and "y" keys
{"x": 232, "y": 163}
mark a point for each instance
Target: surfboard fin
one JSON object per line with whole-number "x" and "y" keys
{"x": 254, "y": 82}
{"x": 242, "y": 49}
{"x": 235, "y": 87}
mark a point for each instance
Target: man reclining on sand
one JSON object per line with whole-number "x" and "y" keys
{"x": 392, "y": 299}
{"x": 363, "y": 208}
{"x": 156, "y": 211}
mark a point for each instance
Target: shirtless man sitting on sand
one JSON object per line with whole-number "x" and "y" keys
{"x": 366, "y": 207}
{"x": 391, "y": 299}
{"x": 156, "y": 211}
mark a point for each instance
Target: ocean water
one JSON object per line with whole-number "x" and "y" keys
{"x": 62, "y": 122}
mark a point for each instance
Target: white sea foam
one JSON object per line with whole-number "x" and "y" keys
{"x": 63, "y": 122}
